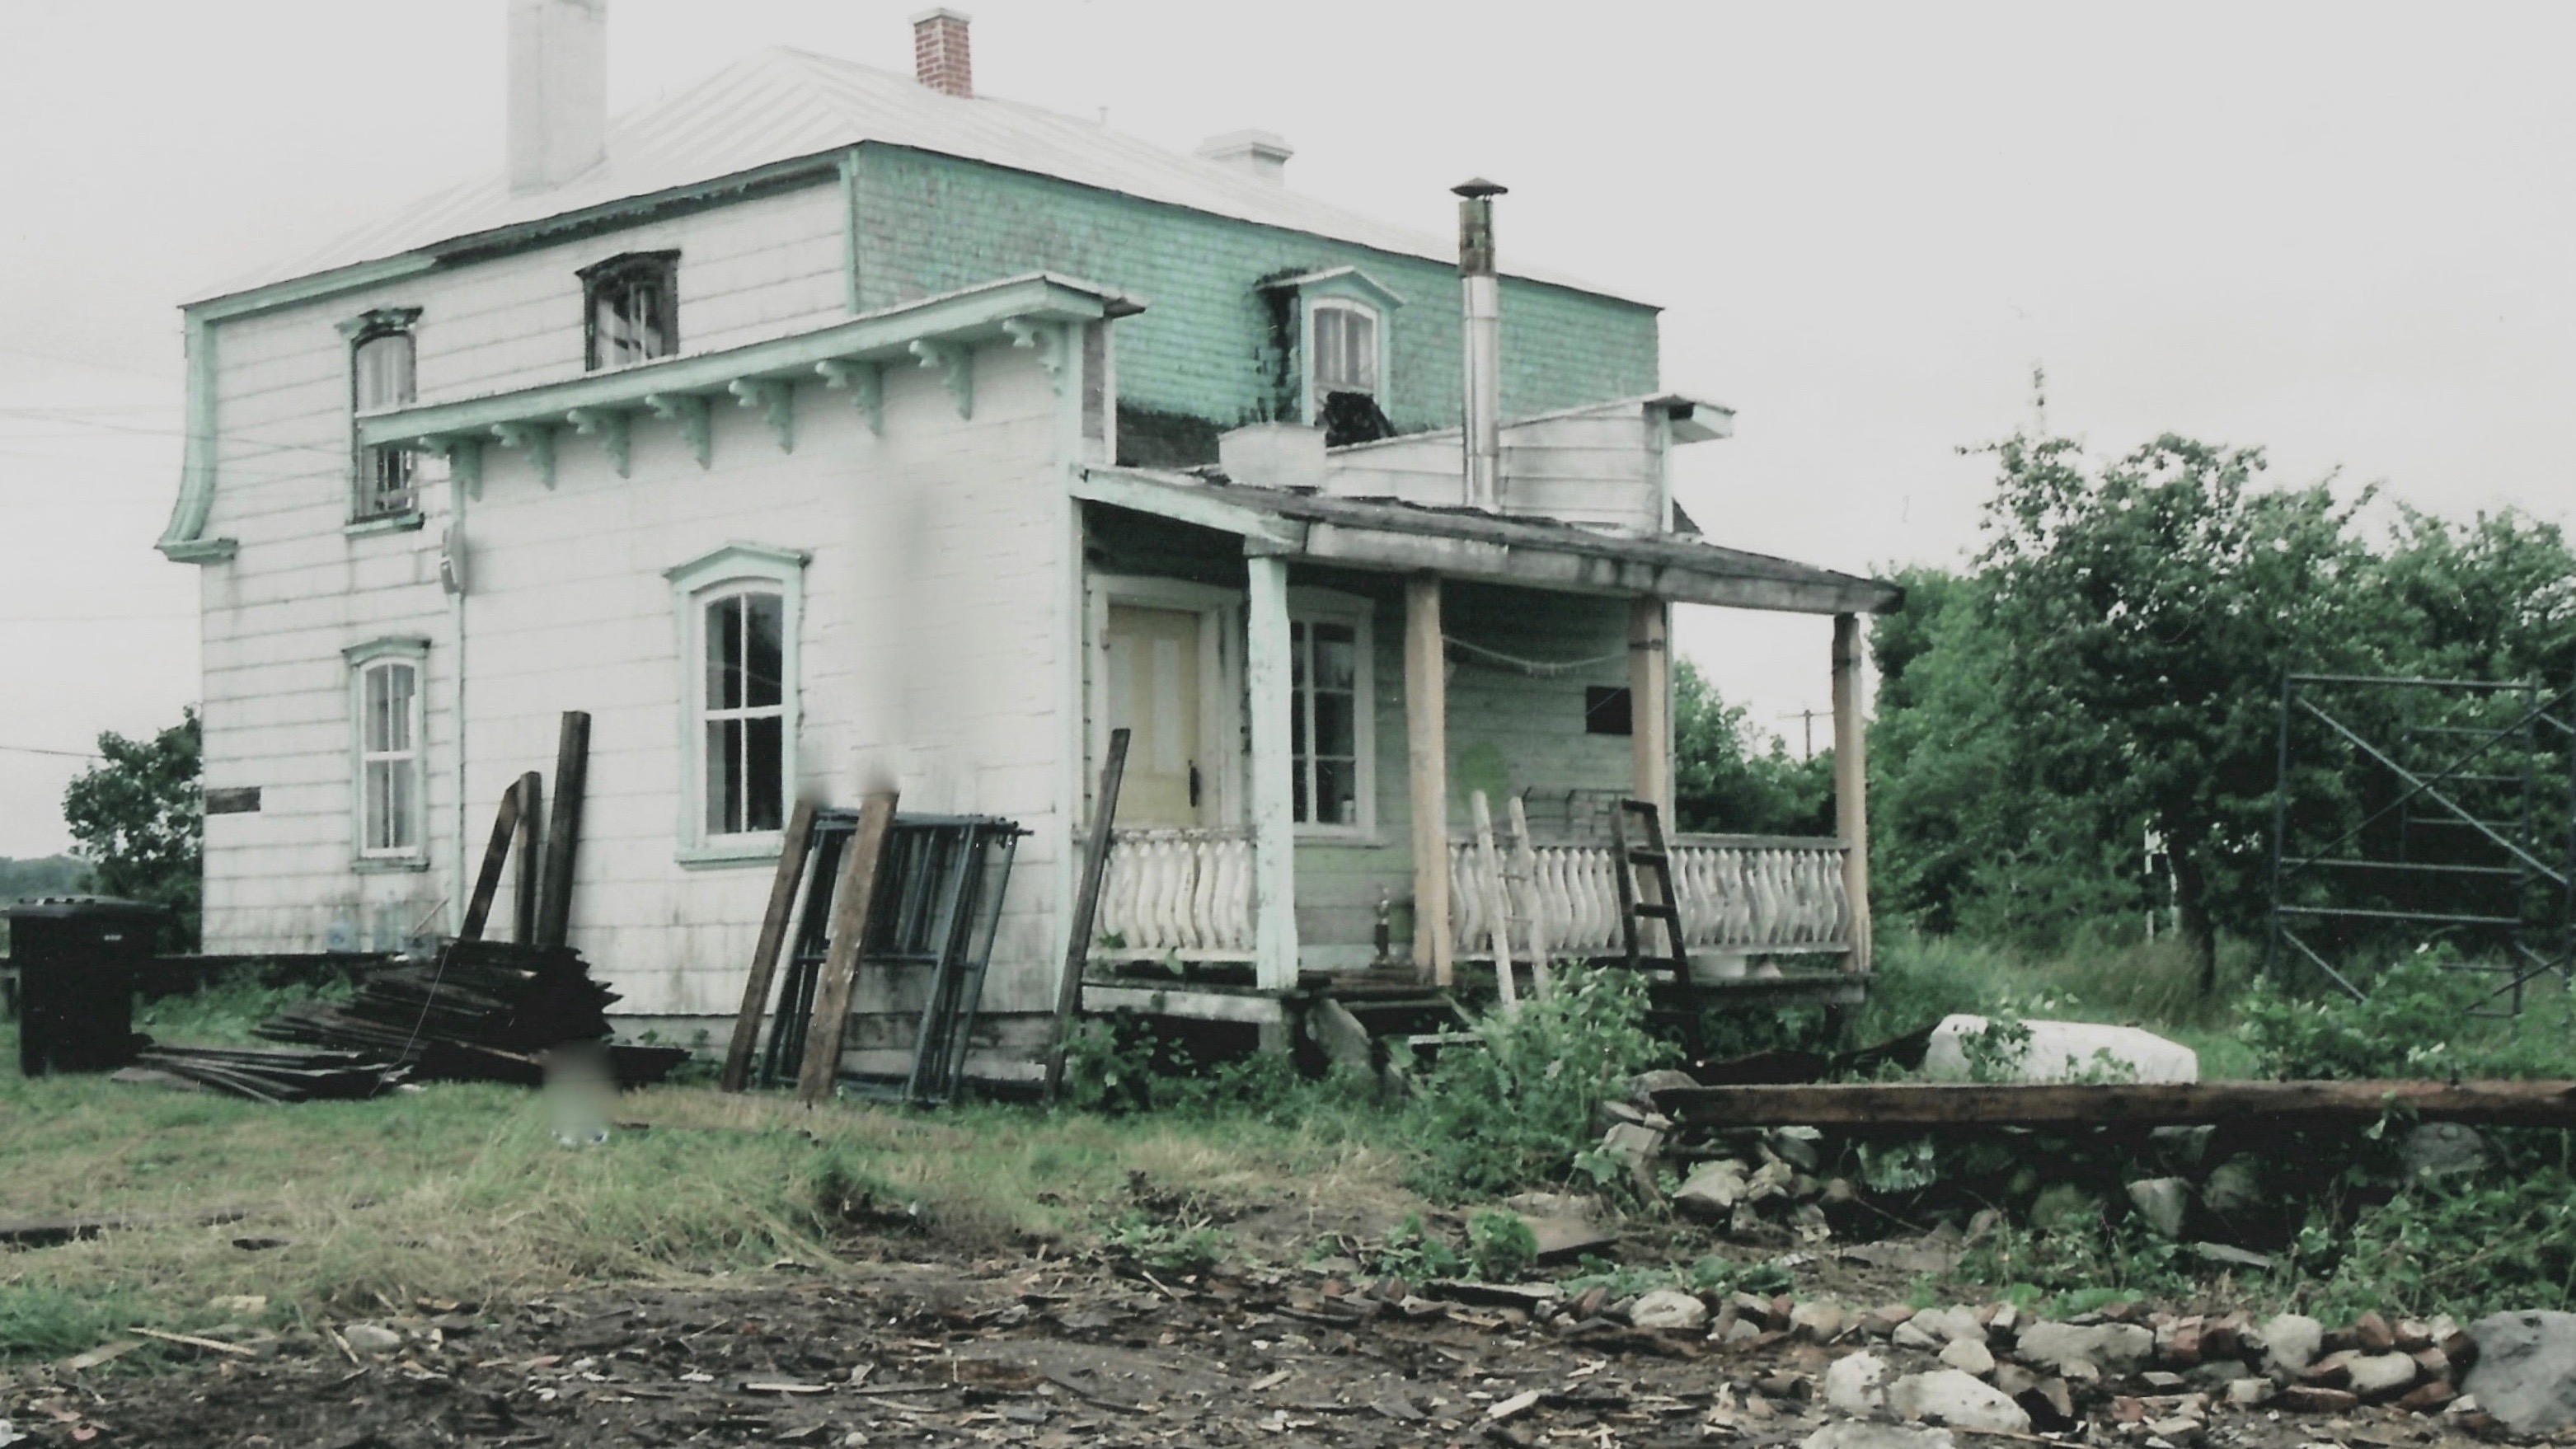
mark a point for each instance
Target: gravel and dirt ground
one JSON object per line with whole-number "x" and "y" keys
{"x": 918, "y": 1347}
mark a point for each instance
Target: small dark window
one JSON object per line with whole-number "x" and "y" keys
{"x": 1605, "y": 711}
{"x": 631, "y": 308}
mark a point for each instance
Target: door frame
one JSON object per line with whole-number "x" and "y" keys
{"x": 1221, "y": 721}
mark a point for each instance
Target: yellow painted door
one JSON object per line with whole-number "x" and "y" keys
{"x": 1154, "y": 692}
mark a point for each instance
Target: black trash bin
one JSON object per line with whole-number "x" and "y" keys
{"x": 76, "y": 958}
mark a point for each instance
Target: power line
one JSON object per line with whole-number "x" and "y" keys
{"x": 59, "y": 754}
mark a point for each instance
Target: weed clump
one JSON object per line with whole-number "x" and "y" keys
{"x": 1519, "y": 1111}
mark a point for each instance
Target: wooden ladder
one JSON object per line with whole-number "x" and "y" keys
{"x": 1652, "y": 863}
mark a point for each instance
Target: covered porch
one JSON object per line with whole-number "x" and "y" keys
{"x": 1366, "y": 732}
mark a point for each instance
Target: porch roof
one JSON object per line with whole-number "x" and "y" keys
{"x": 1464, "y": 543}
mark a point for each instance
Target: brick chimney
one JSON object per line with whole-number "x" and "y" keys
{"x": 558, "y": 96}
{"x": 939, "y": 58}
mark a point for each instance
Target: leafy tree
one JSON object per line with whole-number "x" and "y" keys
{"x": 1724, "y": 780}
{"x": 138, "y": 819}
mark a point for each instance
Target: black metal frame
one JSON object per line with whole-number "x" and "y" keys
{"x": 2541, "y": 895}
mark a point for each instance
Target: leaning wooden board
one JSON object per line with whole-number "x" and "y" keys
{"x": 1915, "y": 1105}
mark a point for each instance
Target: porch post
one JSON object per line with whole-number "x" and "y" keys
{"x": 1274, "y": 824}
{"x": 1426, "y": 748}
{"x": 1650, "y": 703}
{"x": 1851, "y": 782}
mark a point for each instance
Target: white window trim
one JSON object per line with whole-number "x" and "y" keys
{"x": 734, "y": 567}
{"x": 1221, "y": 724}
{"x": 1313, "y": 391}
{"x": 360, "y": 658}
{"x": 1331, "y": 606}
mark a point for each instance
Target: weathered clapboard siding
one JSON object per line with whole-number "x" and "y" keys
{"x": 929, "y": 633}
{"x": 1601, "y": 466}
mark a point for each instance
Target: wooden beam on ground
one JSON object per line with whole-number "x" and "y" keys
{"x": 1426, "y": 748}
{"x": 529, "y": 846}
{"x": 505, "y": 824}
{"x": 852, "y": 901}
{"x": 563, "y": 833}
{"x": 1913, "y": 1106}
{"x": 764, "y": 952}
{"x": 1851, "y": 784}
{"x": 1086, "y": 908}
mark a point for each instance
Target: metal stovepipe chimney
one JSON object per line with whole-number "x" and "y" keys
{"x": 1484, "y": 342}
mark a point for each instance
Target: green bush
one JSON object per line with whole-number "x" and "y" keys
{"x": 1518, "y": 1110}
{"x": 2418, "y": 1021}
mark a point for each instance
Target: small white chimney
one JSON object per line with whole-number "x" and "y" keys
{"x": 1257, "y": 153}
{"x": 558, "y": 104}
{"x": 939, "y": 55}
{"x": 1484, "y": 337}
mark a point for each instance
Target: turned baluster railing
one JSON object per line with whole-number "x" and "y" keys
{"x": 1176, "y": 893}
{"x": 1739, "y": 893}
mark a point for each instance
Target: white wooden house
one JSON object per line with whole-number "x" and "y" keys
{"x": 820, "y": 427}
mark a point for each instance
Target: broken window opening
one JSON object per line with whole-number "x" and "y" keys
{"x": 632, "y": 309}
{"x": 1608, "y": 710}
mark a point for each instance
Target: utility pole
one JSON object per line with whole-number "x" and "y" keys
{"x": 1807, "y": 722}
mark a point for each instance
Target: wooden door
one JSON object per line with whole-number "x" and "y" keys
{"x": 1154, "y": 687}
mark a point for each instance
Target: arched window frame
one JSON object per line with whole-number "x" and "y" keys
{"x": 404, "y": 759}
{"x": 384, "y": 488}
{"x": 735, "y": 569}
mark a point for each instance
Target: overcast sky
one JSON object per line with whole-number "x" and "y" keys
{"x": 2340, "y": 231}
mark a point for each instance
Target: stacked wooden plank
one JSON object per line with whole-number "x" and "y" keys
{"x": 478, "y": 1011}
{"x": 275, "y": 1075}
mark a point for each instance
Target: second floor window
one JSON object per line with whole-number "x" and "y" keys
{"x": 381, "y": 374}
{"x": 633, "y": 308}
{"x": 1345, "y": 350}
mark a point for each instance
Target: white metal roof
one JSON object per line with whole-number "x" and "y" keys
{"x": 782, "y": 104}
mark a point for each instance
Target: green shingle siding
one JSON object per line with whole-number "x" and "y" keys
{"x": 929, "y": 223}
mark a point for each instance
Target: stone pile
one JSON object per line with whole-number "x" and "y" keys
{"x": 2160, "y": 1377}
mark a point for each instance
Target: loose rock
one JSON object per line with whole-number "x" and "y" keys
{"x": 1667, "y": 1308}
{"x": 2444, "y": 1149}
{"x": 2163, "y": 1201}
{"x": 1948, "y": 1396}
{"x": 2290, "y": 1342}
{"x": 2116, "y": 1347}
{"x": 372, "y": 1338}
{"x": 1711, "y": 1191}
{"x": 1877, "y": 1436}
{"x": 2526, "y": 1371}
{"x": 1822, "y": 1322}
{"x": 2377, "y": 1376}
{"x": 1856, "y": 1384}
{"x": 1969, "y": 1357}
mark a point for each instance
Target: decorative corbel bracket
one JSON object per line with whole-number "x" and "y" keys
{"x": 464, "y": 461}
{"x": 613, "y": 430}
{"x": 1048, "y": 339}
{"x": 866, "y": 382}
{"x": 774, "y": 397}
{"x": 956, "y": 362}
{"x": 537, "y": 440}
{"x": 691, "y": 410}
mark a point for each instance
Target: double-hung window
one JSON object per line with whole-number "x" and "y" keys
{"x": 385, "y": 697}
{"x": 381, "y": 379}
{"x": 738, "y": 610}
{"x": 1345, "y": 349}
{"x": 631, "y": 308}
{"x": 1330, "y": 701}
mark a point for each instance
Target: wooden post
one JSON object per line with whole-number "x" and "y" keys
{"x": 1086, "y": 909}
{"x": 1650, "y": 701}
{"x": 764, "y": 952}
{"x": 529, "y": 845}
{"x": 853, "y": 897}
{"x": 563, "y": 833}
{"x": 1533, "y": 902}
{"x": 1851, "y": 782}
{"x": 1498, "y": 903}
{"x": 487, "y": 884}
{"x": 1274, "y": 809}
{"x": 1426, "y": 747}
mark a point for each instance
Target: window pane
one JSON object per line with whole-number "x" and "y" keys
{"x": 379, "y": 777}
{"x": 1297, "y": 707}
{"x": 1297, "y": 647}
{"x": 1328, "y": 347}
{"x": 763, "y": 748}
{"x": 1297, "y": 786}
{"x": 1336, "y": 651}
{"x": 1337, "y": 792}
{"x": 384, "y": 366}
{"x": 1334, "y": 734}
{"x": 399, "y": 806}
{"x": 724, "y": 776}
{"x": 371, "y": 711}
{"x": 724, "y": 653}
{"x": 398, "y": 691}
{"x": 762, "y": 662}
{"x": 1359, "y": 370}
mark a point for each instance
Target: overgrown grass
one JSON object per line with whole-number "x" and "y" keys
{"x": 460, "y": 1191}
{"x": 1921, "y": 979}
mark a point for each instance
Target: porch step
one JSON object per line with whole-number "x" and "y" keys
{"x": 1391, "y": 1038}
